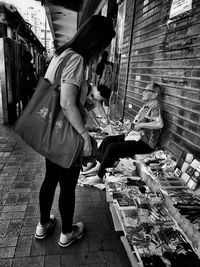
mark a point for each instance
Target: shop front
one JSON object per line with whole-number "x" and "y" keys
{"x": 161, "y": 44}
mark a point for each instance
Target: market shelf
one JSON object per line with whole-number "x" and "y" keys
{"x": 133, "y": 255}
{"x": 189, "y": 230}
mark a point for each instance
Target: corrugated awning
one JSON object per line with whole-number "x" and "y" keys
{"x": 64, "y": 16}
{"x": 63, "y": 23}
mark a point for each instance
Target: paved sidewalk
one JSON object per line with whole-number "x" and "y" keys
{"x": 21, "y": 174}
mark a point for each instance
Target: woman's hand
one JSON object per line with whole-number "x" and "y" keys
{"x": 87, "y": 146}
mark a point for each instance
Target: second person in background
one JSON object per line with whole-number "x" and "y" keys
{"x": 104, "y": 79}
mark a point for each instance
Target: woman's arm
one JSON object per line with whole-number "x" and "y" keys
{"x": 100, "y": 109}
{"x": 68, "y": 97}
{"x": 153, "y": 125}
{"x": 138, "y": 116}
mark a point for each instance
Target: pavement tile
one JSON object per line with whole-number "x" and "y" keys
{"x": 23, "y": 198}
{"x": 89, "y": 209}
{"x": 1, "y": 166}
{"x": 52, "y": 248}
{"x": 92, "y": 265}
{"x": 103, "y": 222}
{"x": 67, "y": 260}
{"x": 39, "y": 175}
{"x": 23, "y": 185}
{"x": 4, "y": 227}
{"x": 19, "y": 178}
{"x": 96, "y": 195}
{"x": 112, "y": 256}
{"x": 52, "y": 261}
{"x": 81, "y": 244}
{"x": 4, "y": 172}
{"x": 29, "y": 261}
{"x": 29, "y": 230}
{"x": 7, "y": 252}
{"x": 32, "y": 210}
{"x": 23, "y": 246}
{"x": 108, "y": 234}
{"x": 123, "y": 258}
{"x": 8, "y": 242}
{"x": 12, "y": 163}
{"x": 36, "y": 185}
{"x": 82, "y": 199}
{"x": 6, "y": 262}
{"x": 89, "y": 257}
{"x": 30, "y": 223}
{"x": 20, "y": 190}
{"x": 34, "y": 197}
{"x": 12, "y": 199}
{"x": 86, "y": 219}
{"x": 12, "y": 208}
{"x": 116, "y": 264}
{"x": 14, "y": 228}
{"x": 94, "y": 242}
{"x": 38, "y": 247}
{"x": 112, "y": 244}
{"x": 14, "y": 215}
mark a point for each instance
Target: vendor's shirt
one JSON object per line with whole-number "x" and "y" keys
{"x": 105, "y": 72}
{"x": 73, "y": 72}
{"x": 133, "y": 136}
{"x": 150, "y": 136}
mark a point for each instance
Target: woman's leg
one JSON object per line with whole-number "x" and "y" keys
{"x": 117, "y": 150}
{"x": 47, "y": 191}
{"x": 109, "y": 140}
{"x": 98, "y": 154}
{"x": 67, "y": 180}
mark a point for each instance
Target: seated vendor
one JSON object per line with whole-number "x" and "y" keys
{"x": 94, "y": 99}
{"x": 146, "y": 126}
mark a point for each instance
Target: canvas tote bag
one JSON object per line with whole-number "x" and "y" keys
{"x": 44, "y": 127}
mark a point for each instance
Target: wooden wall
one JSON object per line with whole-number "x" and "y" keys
{"x": 170, "y": 55}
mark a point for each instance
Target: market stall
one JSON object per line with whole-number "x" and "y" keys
{"x": 155, "y": 207}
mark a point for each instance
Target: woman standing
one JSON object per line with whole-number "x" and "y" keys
{"x": 89, "y": 42}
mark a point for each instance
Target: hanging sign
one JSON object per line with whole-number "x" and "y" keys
{"x": 179, "y": 7}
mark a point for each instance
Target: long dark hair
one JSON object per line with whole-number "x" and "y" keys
{"x": 91, "y": 38}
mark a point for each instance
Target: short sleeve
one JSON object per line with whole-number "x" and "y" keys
{"x": 73, "y": 72}
{"x": 156, "y": 112}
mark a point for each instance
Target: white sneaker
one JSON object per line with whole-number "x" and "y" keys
{"x": 93, "y": 180}
{"x": 92, "y": 170}
{"x": 43, "y": 230}
{"x": 66, "y": 240}
{"x": 86, "y": 168}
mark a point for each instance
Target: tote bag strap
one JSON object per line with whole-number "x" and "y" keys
{"x": 61, "y": 67}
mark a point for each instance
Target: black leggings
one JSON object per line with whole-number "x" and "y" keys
{"x": 67, "y": 179}
{"x": 114, "y": 147}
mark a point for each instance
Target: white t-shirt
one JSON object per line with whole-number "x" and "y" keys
{"x": 73, "y": 72}
{"x": 133, "y": 135}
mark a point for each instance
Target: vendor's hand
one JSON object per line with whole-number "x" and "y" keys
{"x": 96, "y": 93}
{"x": 138, "y": 126}
{"x": 87, "y": 146}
